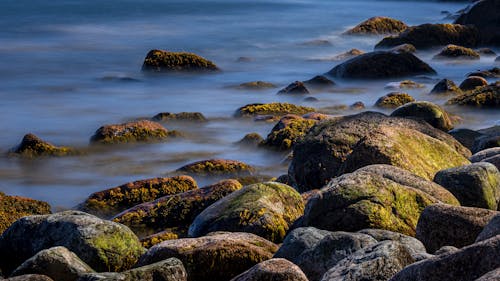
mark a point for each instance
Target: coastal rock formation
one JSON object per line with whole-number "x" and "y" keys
{"x": 32, "y": 146}
{"x": 256, "y": 85}
{"x": 165, "y": 61}
{"x": 137, "y": 131}
{"x": 275, "y": 109}
{"x": 378, "y": 25}
{"x": 319, "y": 82}
{"x": 287, "y": 131}
{"x": 414, "y": 247}
{"x": 181, "y": 116}
{"x": 457, "y": 52}
{"x": 217, "y": 167}
{"x": 490, "y": 155}
{"x": 13, "y": 208}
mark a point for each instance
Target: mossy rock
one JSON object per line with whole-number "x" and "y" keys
{"x": 174, "y": 210}
{"x": 275, "y": 109}
{"x": 489, "y": 73}
{"x": 165, "y": 61}
{"x": 218, "y": 256}
{"x": 248, "y": 180}
{"x": 431, "y": 35}
{"x": 348, "y": 55}
{"x": 394, "y": 99}
{"x": 487, "y": 96}
{"x": 378, "y": 25}
{"x": 251, "y": 139}
{"x": 296, "y": 87}
{"x": 426, "y": 111}
{"x": 13, "y": 208}
{"x": 138, "y": 131}
{"x": 266, "y": 209}
{"x": 170, "y": 233}
{"x": 256, "y": 85}
{"x": 287, "y": 131}
{"x": 181, "y": 116}
{"x": 32, "y": 146}
{"x": 473, "y": 82}
{"x": 109, "y": 202}
{"x": 446, "y": 87}
{"x": 405, "y": 84}
{"x": 457, "y": 52}
{"x": 217, "y": 167}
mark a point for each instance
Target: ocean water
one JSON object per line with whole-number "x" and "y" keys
{"x": 61, "y": 64}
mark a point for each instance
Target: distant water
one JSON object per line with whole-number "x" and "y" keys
{"x": 61, "y": 62}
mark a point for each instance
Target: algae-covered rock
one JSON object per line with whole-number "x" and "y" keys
{"x": 256, "y": 85}
{"x": 287, "y": 131}
{"x": 266, "y": 209}
{"x": 251, "y": 139}
{"x": 431, "y": 35}
{"x": 103, "y": 245}
{"x": 32, "y": 146}
{"x": 175, "y": 210}
{"x": 170, "y": 233}
{"x": 488, "y": 73}
{"x": 296, "y": 87}
{"x": 273, "y": 270}
{"x": 394, "y": 99}
{"x": 219, "y": 256}
{"x": 378, "y": 25}
{"x": 143, "y": 130}
{"x": 275, "y": 109}
{"x": 487, "y": 96}
{"x": 405, "y": 84}
{"x": 445, "y": 87}
{"x": 484, "y": 15}
{"x": 457, "y": 52}
{"x": 165, "y": 61}
{"x": 425, "y": 111}
{"x": 13, "y": 208}
{"x": 29, "y": 277}
{"x": 111, "y": 201}
{"x": 181, "y": 116}
{"x": 472, "y": 82}
{"x": 217, "y": 167}
{"x": 379, "y": 65}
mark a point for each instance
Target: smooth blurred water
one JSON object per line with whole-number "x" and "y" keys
{"x": 57, "y": 59}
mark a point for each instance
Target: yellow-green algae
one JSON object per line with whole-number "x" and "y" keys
{"x": 394, "y": 99}
{"x": 32, "y": 146}
{"x": 275, "y": 108}
{"x": 214, "y": 167}
{"x": 283, "y": 136}
{"x": 487, "y": 96}
{"x": 13, "y": 208}
{"x": 378, "y": 25}
{"x": 165, "y": 61}
{"x": 138, "y": 131}
{"x": 453, "y": 51}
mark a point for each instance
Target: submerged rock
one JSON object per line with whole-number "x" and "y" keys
{"x": 378, "y": 25}
{"x": 13, "y": 208}
{"x": 251, "y": 139}
{"x": 181, "y": 116}
{"x": 404, "y": 48}
{"x": 487, "y": 52}
{"x": 426, "y": 111}
{"x": 486, "y": 96}
{"x": 138, "y": 131}
{"x": 296, "y": 87}
{"x": 165, "y": 61}
{"x": 256, "y": 85}
{"x": 393, "y": 100}
{"x": 272, "y": 270}
{"x": 405, "y": 84}
{"x": 217, "y": 167}
{"x": 287, "y": 131}
{"x": 319, "y": 82}
{"x": 275, "y": 109}
{"x": 32, "y": 146}
{"x": 457, "y": 52}
{"x": 490, "y": 73}
{"x": 484, "y": 15}
{"x": 445, "y": 87}
{"x": 348, "y": 55}
{"x": 472, "y": 82}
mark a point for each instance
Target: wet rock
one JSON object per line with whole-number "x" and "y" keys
{"x": 342, "y": 145}
{"x": 170, "y": 233}
{"x": 296, "y": 87}
{"x": 474, "y": 185}
{"x": 472, "y": 82}
{"x": 287, "y": 131}
{"x": 256, "y": 85}
{"x": 181, "y": 116}
{"x": 378, "y": 262}
{"x": 487, "y": 96}
{"x": 490, "y": 155}
{"x": 484, "y": 15}
{"x": 273, "y": 270}
{"x": 57, "y": 263}
{"x": 490, "y": 73}
{"x": 103, "y": 245}
{"x": 359, "y": 105}
{"x": 425, "y": 111}
{"x": 379, "y": 65}
{"x": 404, "y": 48}
{"x": 32, "y": 146}
{"x": 486, "y": 52}
{"x": 446, "y": 87}
{"x": 111, "y": 201}
{"x": 251, "y": 139}
{"x": 138, "y": 131}
{"x": 319, "y": 82}
{"x": 432, "y": 35}
{"x": 493, "y": 275}
{"x": 457, "y": 52}
{"x": 394, "y": 99}
{"x": 217, "y": 167}
{"x": 29, "y": 277}
{"x": 414, "y": 247}
{"x": 13, "y": 208}
{"x": 445, "y": 250}
{"x": 266, "y": 209}
{"x": 274, "y": 109}
{"x": 405, "y": 84}
{"x": 299, "y": 240}
{"x": 491, "y": 229}
{"x": 348, "y": 55}
{"x": 165, "y": 61}
{"x": 465, "y": 136}
{"x": 378, "y": 25}
{"x": 219, "y": 256}
{"x": 175, "y": 210}
{"x": 445, "y": 225}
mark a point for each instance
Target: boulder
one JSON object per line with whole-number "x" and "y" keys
{"x": 489, "y": 73}
{"x": 13, "y": 208}
{"x": 493, "y": 275}
{"x": 432, "y": 35}
{"x": 378, "y": 25}
{"x": 273, "y": 270}
{"x": 217, "y": 167}
{"x": 487, "y": 96}
{"x": 490, "y": 155}
{"x": 137, "y": 131}
{"x": 109, "y": 202}
{"x": 251, "y": 139}
{"x": 490, "y": 230}
{"x": 405, "y": 84}
{"x": 457, "y": 52}
{"x": 57, "y": 263}
{"x": 267, "y": 209}
{"x": 472, "y": 82}
{"x": 256, "y": 85}
{"x": 484, "y": 15}
{"x": 348, "y": 55}
{"x": 319, "y": 82}
{"x": 426, "y": 111}
{"x": 414, "y": 247}
{"x": 103, "y": 245}
{"x": 394, "y": 99}
{"x": 170, "y": 233}
{"x": 359, "y": 105}
{"x": 32, "y": 146}
{"x": 445, "y": 250}
{"x": 219, "y": 256}
{"x": 299, "y": 240}
{"x": 474, "y": 185}
{"x": 181, "y": 116}
{"x": 165, "y": 61}
{"x": 287, "y": 131}
{"x": 404, "y": 48}
{"x": 381, "y": 65}
{"x": 444, "y": 225}
{"x": 275, "y": 109}
{"x": 465, "y": 136}
{"x": 487, "y": 52}
{"x": 29, "y": 277}
{"x": 296, "y": 87}
{"x": 446, "y": 86}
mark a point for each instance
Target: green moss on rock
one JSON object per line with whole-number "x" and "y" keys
{"x": 170, "y": 233}
{"x": 13, "y": 208}
{"x": 487, "y": 96}
{"x": 138, "y": 131}
{"x": 378, "y": 25}
{"x": 181, "y": 116}
{"x": 165, "y": 61}
{"x": 394, "y": 99}
{"x": 287, "y": 131}
{"x": 32, "y": 146}
{"x": 217, "y": 167}
{"x": 256, "y": 85}
{"x": 275, "y": 108}
{"x": 457, "y": 52}
{"x": 432, "y": 113}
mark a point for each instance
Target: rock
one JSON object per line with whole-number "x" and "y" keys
{"x": 490, "y": 155}
{"x": 394, "y": 99}
{"x": 29, "y": 277}
{"x": 493, "y": 275}
{"x": 143, "y": 130}
{"x": 463, "y": 265}
{"x": 497, "y": 59}
{"x": 472, "y": 82}
{"x": 287, "y": 131}
{"x": 457, "y": 52}
{"x": 319, "y": 82}
{"x": 484, "y": 15}
{"x": 465, "y": 136}
{"x": 380, "y": 65}
{"x": 181, "y": 116}
{"x": 359, "y": 105}
{"x": 217, "y": 167}
{"x": 13, "y": 208}
{"x": 405, "y": 84}
{"x": 219, "y": 256}
{"x": 446, "y": 250}
{"x": 444, "y": 225}
{"x": 317, "y": 42}
{"x": 111, "y": 201}
{"x": 166, "y": 270}
{"x": 251, "y": 139}
{"x": 273, "y": 270}
{"x": 266, "y": 209}
{"x": 446, "y": 86}
{"x": 426, "y": 111}
{"x": 170, "y": 233}
{"x": 342, "y": 145}
{"x": 489, "y": 138}
{"x": 275, "y": 109}
{"x": 103, "y": 245}
{"x": 57, "y": 263}
{"x": 378, "y": 25}
{"x": 366, "y": 199}
{"x": 404, "y": 48}
{"x": 474, "y": 185}
{"x": 165, "y": 61}
{"x": 256, "y": 85}
{"x": 486, "y": 52}
{"x": 32, "y": 146}
{"x": 490, "y": 73}
{"x": 491, "y": 229}
{"x": 414, "y": 247}
{"x": 348, "y": 55}
{"x": 487, "y": 96}
{"x": 296, "y": 87}
{"x": 431, "y": 35}
{"x": 378, "y": 262}
{"x": 299, "y": 240}
{"x": 178, "y": 210}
